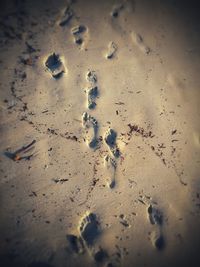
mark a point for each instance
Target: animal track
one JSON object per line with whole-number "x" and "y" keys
{"x": 88, "y": 229}
{"x": 55, "y": 65}
{"x": 91, "y": 126}
{"x": 110, "y": 165}
{"x": 138, "y": 41}
{"x": 92, "y": 93}
{"x": 110, "y": 140}
{"x": 112, "y": 48}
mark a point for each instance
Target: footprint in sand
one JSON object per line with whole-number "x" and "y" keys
{"x": 123, "y": 220}
{"x": 55, "y": 66}
{"x": 78, "y": 29}
{"x": 110, "y": 140}
{"x": 66, "y": 16}
{"x": 138, "y": 41}
{"x": 92, "y": 90}
{"x": 116, "y": 10}
{"x": 88, "y": 229}
{"x": 92, "y": 93}
{"x": 91, "y": 127}
{"x": 88, "y": 233}
{"x": 112, "y": 48}
{"x": 155, "y": 217}
{"x": 78, "y": 34}
{"x": 110, "y": 165}
{"x": 91, "y": 77}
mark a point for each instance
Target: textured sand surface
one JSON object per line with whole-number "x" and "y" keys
{"x": 107, "y": 94}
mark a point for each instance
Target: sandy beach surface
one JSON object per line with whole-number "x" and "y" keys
{"x": 99, "y": 133}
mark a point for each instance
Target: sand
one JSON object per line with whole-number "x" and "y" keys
{"x": 100, "y": 133}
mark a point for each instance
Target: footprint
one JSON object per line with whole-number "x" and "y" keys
{"x": 116, "y": 10}
{"x": 78, "y": 33}
{"x": 88, "y": 229}
{"x": 92, "y": 93}
{"x": 156, "y": 218}
{"x": 78, "y": 29}
{"x": 138, "y": 41}
{"x": 157, "y": 240}
{"x": 89, "y": 232}
{"x": 91, "y": 126}
{"x": 110, "y": 140}
{"x": 91, "y": 77}
{"x": 66, "y": 16}
{"x": 123, "y": 220}
{"x": 55, "y": 65}
{"x": 155, "y": 215}
{"x": 110, "y": 165}
{"x": 92, "y": 90}
{"x": 75, "y": 244}
{"x": 112, "y": 48}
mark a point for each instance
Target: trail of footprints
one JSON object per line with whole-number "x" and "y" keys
{"x": 55, "y": 65}
{"x": 78, "y": 32}
{"x": 91, "y": 130}
{"x": 89, "y": 229}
